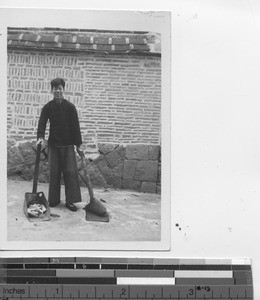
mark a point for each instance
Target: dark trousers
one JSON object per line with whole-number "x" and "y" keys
{"x": 63, "y": 160}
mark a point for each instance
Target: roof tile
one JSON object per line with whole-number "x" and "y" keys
{"x": 83, "y": 40}
{"x": 30, "y": 37}
{"x": 13, "y": 43}
{"x": 85, "y": 47}
{"x": 141, "y": 47}
{"x": 28, "y": 44}
{"x": 13, "y": 36}
{"x": 65, "y": 38}
{"x": 47, "y": 38}
{"x": 101, "y": 40}
{"x": 140, "y": 40}
{"x": 119, "y": 41}
{"x": 122, "y": 47}
{"x": 104, "y": 47}
{"x": 68, "y": 46}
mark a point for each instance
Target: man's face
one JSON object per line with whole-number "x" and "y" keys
{"x": 57, "y": 92}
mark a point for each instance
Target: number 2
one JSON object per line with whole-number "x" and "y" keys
{"x": 123, "y": 292}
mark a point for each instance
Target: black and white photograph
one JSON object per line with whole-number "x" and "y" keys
{"x": 129, "y": 134}
{"x": 87, "y": 130}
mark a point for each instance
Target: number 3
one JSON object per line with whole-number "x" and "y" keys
{"x": 191, "y": 292}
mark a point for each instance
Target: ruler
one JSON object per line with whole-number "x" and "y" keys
{"x": 125, "y": 278}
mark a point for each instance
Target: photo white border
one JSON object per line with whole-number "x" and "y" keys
{"x": 91, "y": 19}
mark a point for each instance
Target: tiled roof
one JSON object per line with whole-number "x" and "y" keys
{"x": 86, "y": 41}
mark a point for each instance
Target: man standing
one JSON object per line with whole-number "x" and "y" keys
{"x": 64, "y": 135}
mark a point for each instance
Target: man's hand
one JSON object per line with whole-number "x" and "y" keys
{"x": 80, "y": 151}
{"x": 39, "y": 141}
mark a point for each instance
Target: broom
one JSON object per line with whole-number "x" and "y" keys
{"x": 95, "y": 206}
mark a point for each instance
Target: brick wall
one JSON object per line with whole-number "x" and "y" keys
{"x": 118, "y": 97}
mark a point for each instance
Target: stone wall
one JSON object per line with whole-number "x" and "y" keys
{"x": 136, "y": 167}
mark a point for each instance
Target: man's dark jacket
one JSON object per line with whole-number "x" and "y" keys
{"x": 64, "y": 123}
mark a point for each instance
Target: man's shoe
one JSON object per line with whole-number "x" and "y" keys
{"x": 71, "y": 207}
{"x": 54, "y": 204}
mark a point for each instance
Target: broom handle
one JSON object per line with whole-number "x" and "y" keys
{"x": 36, "y": 168}
{"x": 86, "y": 180}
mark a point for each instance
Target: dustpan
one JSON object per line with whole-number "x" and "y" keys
{"x": 36, "y": 197}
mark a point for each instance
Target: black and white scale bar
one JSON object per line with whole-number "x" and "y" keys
{"x": 63, "y": 291}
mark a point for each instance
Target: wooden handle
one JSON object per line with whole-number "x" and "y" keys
{"x": 86, "y": 179}
{"x": 36, "y": 168}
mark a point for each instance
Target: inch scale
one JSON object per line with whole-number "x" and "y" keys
{"x": 125, "y": 278}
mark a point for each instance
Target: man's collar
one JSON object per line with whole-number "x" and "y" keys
{"x": 59, "y": 101}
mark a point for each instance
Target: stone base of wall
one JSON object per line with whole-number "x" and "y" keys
{"x": 135, "y": 167}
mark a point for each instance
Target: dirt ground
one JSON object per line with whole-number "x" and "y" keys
{"x": 133, "y": 217}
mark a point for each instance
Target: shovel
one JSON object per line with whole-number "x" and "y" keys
{"x": 36, "y": 197}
